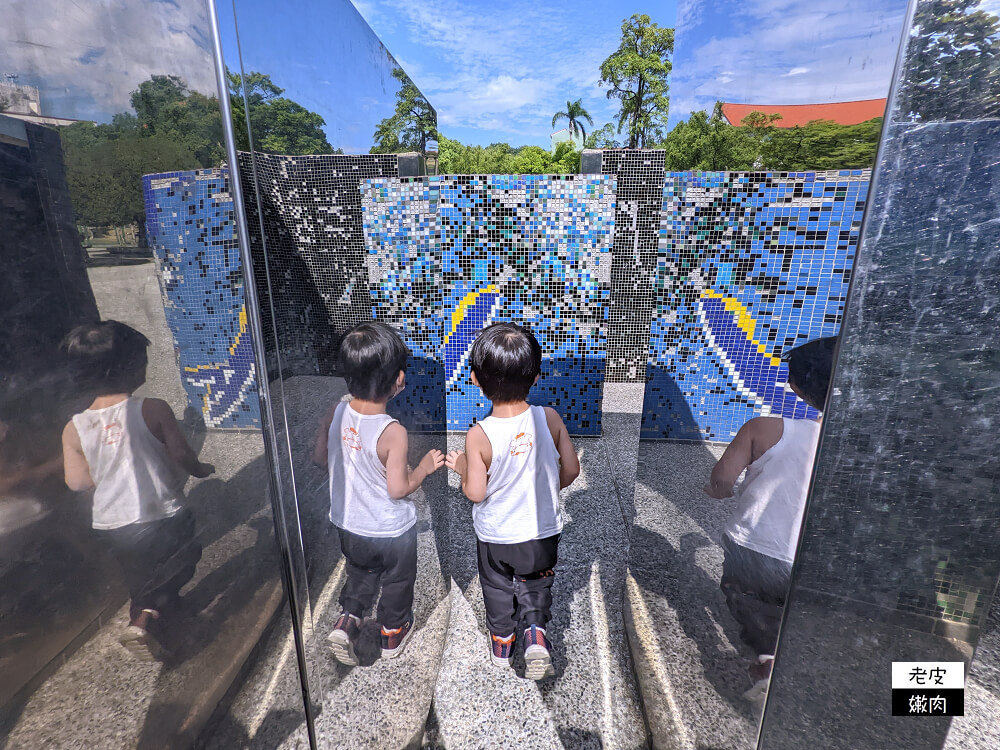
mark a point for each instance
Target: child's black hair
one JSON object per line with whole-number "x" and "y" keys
{"x": 809, "y": 369}
{"x": 371, "y": 357}
{"x": 506, "y": 359}
{"x": 107, "y": 357}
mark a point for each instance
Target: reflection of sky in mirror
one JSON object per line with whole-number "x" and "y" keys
{"x": 325, "y": 57}
{"x": 85, "y": 57}
{"x": 498, "y": 71}
{"x": 783, "y": 51}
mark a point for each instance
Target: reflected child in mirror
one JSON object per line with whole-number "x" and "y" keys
{"x": 514, "y": 464}
{"x": 365, "y": 452}
{"x": 761, "y": 536}
{"x": 131, "y": 452}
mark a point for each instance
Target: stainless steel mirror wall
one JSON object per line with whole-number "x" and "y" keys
{"x": 323, "y": 107}
{"x": 138, "y": 566}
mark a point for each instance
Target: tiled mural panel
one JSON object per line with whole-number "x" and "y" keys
{"x": 639, "y": 194}
{"x": 311, "y": 211}
{"x": 749, "y": 265}
{"x": 529, "y": 249}
{"x": 189, "y": 220}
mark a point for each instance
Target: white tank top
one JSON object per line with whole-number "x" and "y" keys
{"x": 359, "y": 493}
{"x": 134, "y": 479}
{"x": 771, "y": 500}
{"x": 522, "y": 486}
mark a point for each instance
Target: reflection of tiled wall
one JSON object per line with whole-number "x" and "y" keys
{"x": 189, "y": 218}
{"x": 315, "y": 251}
{"x": 527, "y": 249}
{"x": 640, "y": 176}
{"x": 749, "y": 265}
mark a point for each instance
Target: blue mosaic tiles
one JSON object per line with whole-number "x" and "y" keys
{"x": 749, "y": 265}
{"x": 189, "y": 220}
{"x": 529, "y": 249}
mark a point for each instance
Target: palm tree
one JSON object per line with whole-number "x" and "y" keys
{"x": 574, "y": 113}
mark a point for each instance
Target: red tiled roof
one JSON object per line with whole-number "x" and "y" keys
{"x": 844, "y": 113}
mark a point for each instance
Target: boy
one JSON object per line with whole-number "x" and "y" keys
{"x": 365, "y": 451}
{"x": 515, "y": 462}
{"x": 760, "y": 538}
{"x": 132, "y": 453}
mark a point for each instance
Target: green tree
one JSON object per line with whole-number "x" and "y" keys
{"x": 411, "y": 125}
{"x": 952, "y": 62}
{"x": 637, "y": 73}
{"x": 280, "y": 125}
{"x": 574, "y": 114}
{"x": 822, "y": 144}
{"x": 603, "y": 137}
{"x": 704, "y": 142}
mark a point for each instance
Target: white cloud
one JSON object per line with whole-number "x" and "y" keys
{"x": 787, "y": 52}
{"x": 86, "y": 57}
{"x": 689, "y": 14}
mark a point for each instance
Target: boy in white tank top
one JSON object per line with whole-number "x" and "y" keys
{"x": 515, "y": 462}
{"x": 761, "y": 536}
{"x": 131, "y": 452}
{"x": 365, "y": 451}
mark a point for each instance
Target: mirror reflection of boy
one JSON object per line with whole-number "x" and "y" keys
{"x": 514, "y": 464}
{"x": 761, "y": 536}
{"x": 365, "y": 451}
{"x": 131, "y": 452}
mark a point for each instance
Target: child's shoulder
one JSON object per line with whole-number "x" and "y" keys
{"x": 763, "y": 433}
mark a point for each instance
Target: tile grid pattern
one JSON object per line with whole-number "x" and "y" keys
{"x": 189, "y": 220}
{"x": 749, "y": 265}
{"x": 640, "y": 175}
{"x": 529, "y": 249}
{"x": 315, "y": 252}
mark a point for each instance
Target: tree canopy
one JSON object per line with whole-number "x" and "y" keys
{"x": 279, "y": 125}
{"x": 501, "y": 158}
{"x": 953, "y": 62}
{"x": 411, "y": 125}
{"x": 637, "y": 73}
{"x": 574, "y": 113}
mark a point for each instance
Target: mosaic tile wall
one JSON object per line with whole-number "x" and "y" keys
{"x": 315, "y": 252}
{"x": 640, "y": 175}
{"x": 529, "y": 249}
{"x": 749, "y": 265}
{"x": 189, "y": 220}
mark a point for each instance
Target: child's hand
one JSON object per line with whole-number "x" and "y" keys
{"x": 456, "y": 462}
{"x": 433, "y": 461}
{"x": 203, "y": 470}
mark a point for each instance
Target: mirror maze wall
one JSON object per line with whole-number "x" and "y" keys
{"x": 700, "y": 280}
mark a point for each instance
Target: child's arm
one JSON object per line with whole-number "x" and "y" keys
{"x": 321, "y": 453}
{"x": 162, "y": 423}
{"x": 472, "y": 465}
{"x": 753, "y": 439}
{"x": 400, "y": 481}
{"x": 569, "y": 463}
{"x": 75, "y": 466}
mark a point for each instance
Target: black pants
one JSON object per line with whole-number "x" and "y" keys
{"x": 391, "y": 561}
{"x": 755, "y": 586}
{"x": 517, "y": 582}
{"x": 157, "y": 558}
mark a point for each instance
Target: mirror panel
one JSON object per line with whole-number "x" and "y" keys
{"x": 129, "y": 610}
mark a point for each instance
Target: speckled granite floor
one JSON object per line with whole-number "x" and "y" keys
{"x": 685, "y": 642}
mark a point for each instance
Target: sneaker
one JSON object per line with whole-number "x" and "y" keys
{"x": 537, "y": 654}
{"x": 342, "y": 638}
{"x": 394, "y": 640}
{"x": 137, "y": 639}
{"x": 502, "y": 650}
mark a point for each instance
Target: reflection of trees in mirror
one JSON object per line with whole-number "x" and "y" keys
{"x": 953, "y": 62}
{"x": 280, "y": 125}
{"x": 411, "y": 126}
{"x": 704, "y": 142}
